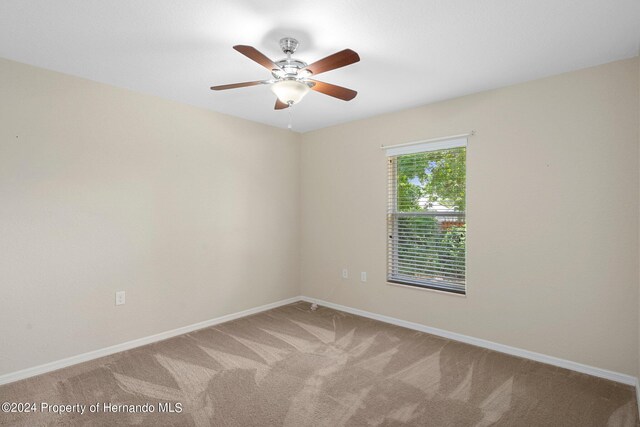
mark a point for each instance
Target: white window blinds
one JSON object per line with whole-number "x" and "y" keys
{"x": 426, "y": 215}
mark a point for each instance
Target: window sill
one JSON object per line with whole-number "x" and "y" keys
{"x": 422, "y": 288}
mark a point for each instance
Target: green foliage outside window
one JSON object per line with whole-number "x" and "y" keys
{"x": 428, "y": 182}
{"x": 437, "y": 176}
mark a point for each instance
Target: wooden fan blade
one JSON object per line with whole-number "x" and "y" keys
{"x": 255, "y": 55}
{"x": 333, "y": 90}
{"x": 331, "y": 62}
{"x": 280, "y": 105}
{"x": 237, "y": 85}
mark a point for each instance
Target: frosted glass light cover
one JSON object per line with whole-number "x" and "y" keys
{"x": 290, "y": 91}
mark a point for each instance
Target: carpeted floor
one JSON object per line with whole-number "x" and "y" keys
{"x": 294, "y": 367}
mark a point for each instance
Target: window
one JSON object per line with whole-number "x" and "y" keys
{"x": 426, "y": 217}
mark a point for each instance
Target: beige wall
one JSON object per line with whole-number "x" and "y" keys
{"x": 553, "y": 191}
{"x": 194, "y": 214}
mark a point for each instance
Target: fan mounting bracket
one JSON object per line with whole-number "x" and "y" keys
{"x": 288, "y": 45}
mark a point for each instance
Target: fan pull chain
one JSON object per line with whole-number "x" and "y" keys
{"x": 290, "y": 126}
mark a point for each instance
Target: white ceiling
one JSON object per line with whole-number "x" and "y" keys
{"x": 412, "y": 52}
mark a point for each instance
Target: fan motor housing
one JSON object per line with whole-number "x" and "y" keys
{"x": 289, "y": 69}
{"x": 291, "y": 66}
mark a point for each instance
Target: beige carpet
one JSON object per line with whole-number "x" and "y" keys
{"x": 294, "y": 367}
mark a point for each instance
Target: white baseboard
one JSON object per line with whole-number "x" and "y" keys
{"x": 63, "y": 363}
{"x": 538, "y": 357}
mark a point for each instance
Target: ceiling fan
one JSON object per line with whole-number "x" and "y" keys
{"x": 292, "y": 78}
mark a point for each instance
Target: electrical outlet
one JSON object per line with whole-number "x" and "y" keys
{"x": 345, "y": 273}
{"x": 363, "y": 276}
{"x": 120, "y": 297}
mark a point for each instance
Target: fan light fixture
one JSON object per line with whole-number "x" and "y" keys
{"x": 290, "y": 91}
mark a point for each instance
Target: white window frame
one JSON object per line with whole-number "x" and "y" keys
{"x": 438, "y": 144}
